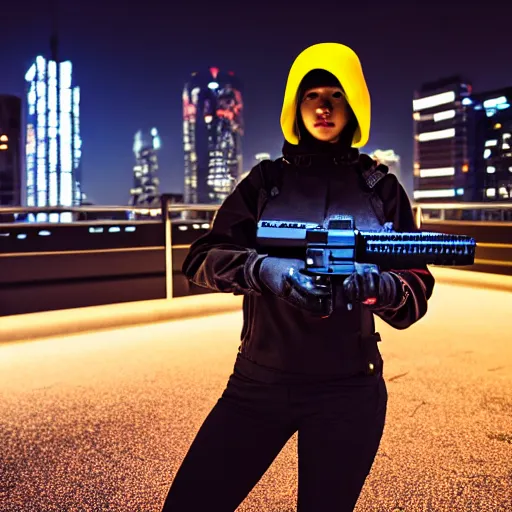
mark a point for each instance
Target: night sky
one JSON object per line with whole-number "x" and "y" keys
{"x": 131, "y": 60}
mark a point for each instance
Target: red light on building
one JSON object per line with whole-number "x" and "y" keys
{"x": 214, "y": 72}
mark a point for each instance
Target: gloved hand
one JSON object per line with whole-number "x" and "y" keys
{"x": 380, "y": 290}
{"x": 283, "y": 277}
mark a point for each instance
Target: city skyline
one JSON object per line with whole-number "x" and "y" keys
{"x": 116, "y": 103}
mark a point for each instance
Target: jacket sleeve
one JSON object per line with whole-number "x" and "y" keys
{"x": 417, "y": 283}
{"x": 224, "y": 259}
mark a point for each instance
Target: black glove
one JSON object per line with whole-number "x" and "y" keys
{"x": 380, "y": 290}
{"x": 283, "y": 277}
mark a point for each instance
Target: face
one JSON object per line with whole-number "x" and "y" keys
{"x": 325, "y": 112}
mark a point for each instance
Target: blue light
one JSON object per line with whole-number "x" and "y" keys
{"x": 503, "y": 106}
{"x": 44, "y": 233}
{"x": 467, "y": 101}
{"x": 460, "y": 191}
{"x": 213, "y": 85}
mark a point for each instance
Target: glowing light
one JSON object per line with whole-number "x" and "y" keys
{"x": 31, "y": 73}
{"x": 4, "y": 147}
{"x": 497, "y": 126}
{"x": 494, "y": 102}
{"x": 491, "y": 169}
{"x": 435, "y": 173}
{"x": 433, "y": 101}
{"x": 490, "y": 192}
{"x": 491, "y": 143}
{"x": 213, "y": 85}
{"x": 442, "y": 116}
{"x": 465, "y": 168}
{"x": 487, "y": 153}
{"x": 421, "y": 194}
{"x": 208, "y": 119}
{"x": 460, "y": 191}
{"x": 467, "y": 101}
{"x": 4, "y": 138}
{"x": 439, "y": 134}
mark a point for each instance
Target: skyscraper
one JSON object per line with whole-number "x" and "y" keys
{"x": 145, "y": 187}
{"x": 212, "y": 135}
{"x": 53, "y": 143}
{"x": 442, "y": 140}
{"x": 493, "y": 143}
{"x": 389, "y": 158}
{"x": 11, "y": 158}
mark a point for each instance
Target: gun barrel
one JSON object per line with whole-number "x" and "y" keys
{"x": 422, "y": 248}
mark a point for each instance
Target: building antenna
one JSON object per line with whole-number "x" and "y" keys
{"x": 54, "y": 38}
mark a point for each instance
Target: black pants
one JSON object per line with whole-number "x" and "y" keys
{"x": 339, "y": 423}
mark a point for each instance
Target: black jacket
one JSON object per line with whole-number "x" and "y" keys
{"x": 275, "y": 334}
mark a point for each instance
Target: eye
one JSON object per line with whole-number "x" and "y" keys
{"x": 337, "y": 95}
{"x": 311, "y": 96}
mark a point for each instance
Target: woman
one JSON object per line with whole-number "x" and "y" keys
{"x": 307, "y": 362}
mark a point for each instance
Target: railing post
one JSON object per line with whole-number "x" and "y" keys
{"x": 418, "y": 217}
{"x": 165, "y": 201}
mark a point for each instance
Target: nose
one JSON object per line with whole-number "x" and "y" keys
{"x": 324, "y": 110}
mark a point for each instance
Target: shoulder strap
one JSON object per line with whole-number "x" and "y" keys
{"x": 271, "y": 175}
{"x": 373, "y": 173}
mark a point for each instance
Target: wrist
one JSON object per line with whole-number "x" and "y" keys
{"x": 252, "y": 271}
{"x": 402, "y": 291}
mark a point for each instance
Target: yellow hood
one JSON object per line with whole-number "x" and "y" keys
{"x": 344, "y": 64}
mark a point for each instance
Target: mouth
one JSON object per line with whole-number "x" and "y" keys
{"x": 324, "y": 124}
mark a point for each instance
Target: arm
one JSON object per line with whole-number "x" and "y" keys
{"x": 417, "y": 283}
{"x": 224, "y": 259}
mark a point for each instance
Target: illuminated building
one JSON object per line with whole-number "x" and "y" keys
{"x": 258, "y": 157}
{"x": 493, "y": 148}
{"x": 53, "y": 143}
{"x": 443, "y": 165}
{"x": 10, "y": 150}
{"x": 390, "y": 159}
{"x": 212, "y": 135}
{"x": 145, "y": 188}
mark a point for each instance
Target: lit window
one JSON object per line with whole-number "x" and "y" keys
{"x": 490, "y": 143}
{"x": 494, "y": 102}
{"x": 433, "y": 101}
{"x": 435, "y": 173}
{"x": 490, "y": 192}
{"x": 422, "y": 194}
{"x": 439, "y": 134}
{"x": 491, "y": 169}
{"x": 442, "y": 116}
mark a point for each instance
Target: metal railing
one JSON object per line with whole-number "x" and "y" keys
{"x": 468, "y": 212}
{"x": 478, "y": 215}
